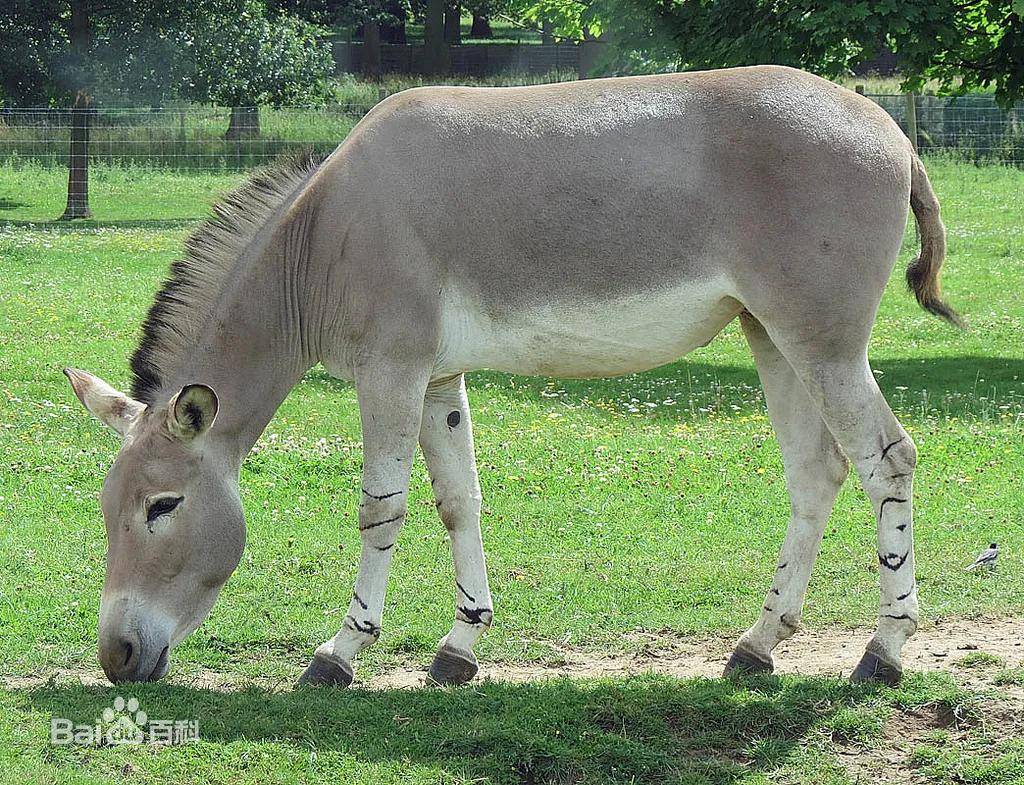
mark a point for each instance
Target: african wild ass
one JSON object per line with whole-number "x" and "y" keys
{"x": 581, "y": 230}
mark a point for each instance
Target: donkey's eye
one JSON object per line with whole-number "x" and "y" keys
{"x": 162, "y": 506}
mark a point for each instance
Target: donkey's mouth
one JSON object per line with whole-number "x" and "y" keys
{"x": 161, "y": 668}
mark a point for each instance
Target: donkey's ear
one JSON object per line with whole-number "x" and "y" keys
{"x": 106, "y": 404}
{"x": 192, "y": 411}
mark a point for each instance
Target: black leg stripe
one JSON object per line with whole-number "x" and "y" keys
{"x": 382, "y": 497}
{"x": 465, "y": 593}
{"x": 381, "y": 523}
{"x": 893, "y": 561}
{"x": 367, "y": 628}
{"x": 893, "y": 499}
{"x": 885, "y": 451}
{"x": 475, "y": 615}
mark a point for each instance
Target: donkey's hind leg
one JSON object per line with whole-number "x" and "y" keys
{"x": 845, "y": 392}
{"x": 390, "y": 407}
{"x": 446, "y": 437}
{"x": 815, "y": 470}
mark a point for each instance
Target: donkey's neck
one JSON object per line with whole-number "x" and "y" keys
{"x": 252, "y": 348}
{"x": 236, "y": 324}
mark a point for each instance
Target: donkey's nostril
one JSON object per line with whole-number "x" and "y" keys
{"x": 127, "y": 653}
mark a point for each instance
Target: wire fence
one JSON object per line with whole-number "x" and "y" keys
{"x": 187, "y": 138}
{"x": 971, "y": 126}
{"x": 121, "y": 147}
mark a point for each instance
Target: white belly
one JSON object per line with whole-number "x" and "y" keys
{"x": 608, "y": 338}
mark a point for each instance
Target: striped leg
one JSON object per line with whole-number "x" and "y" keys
{"x": 885, "y": 457}
{"x": 446, "y": 437}
{"x": 390, "y": 407}
{"x": 815, "y": 470}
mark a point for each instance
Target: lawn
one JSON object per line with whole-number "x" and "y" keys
{"x": 645, "y": 504}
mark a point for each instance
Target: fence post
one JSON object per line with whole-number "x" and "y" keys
{"x": 912, "y": 119}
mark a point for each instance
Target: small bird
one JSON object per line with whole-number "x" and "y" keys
{"x": 987, "y": 558}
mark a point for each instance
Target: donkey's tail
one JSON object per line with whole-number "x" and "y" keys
{"x": 923, "y": 272}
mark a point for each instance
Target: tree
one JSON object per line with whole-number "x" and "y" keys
{"x": 78, "y": 160}
{"x": 485, "y": 10}
{"x": 220, "y": 51}
{"x": 232, "y": 52}
{"x": 453, "y": 22}
{"x": 481, "y": 27}
{"x": 48, "y": 45}
{"x": 435, "y": 50}
{"x": 380, "y": 20}
{"x": 964, "y": 44}
{"x": 238, "y": 56}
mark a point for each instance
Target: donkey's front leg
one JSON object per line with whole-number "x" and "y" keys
{"x": 390, "y": 407}
{"x": 446, "y": 438}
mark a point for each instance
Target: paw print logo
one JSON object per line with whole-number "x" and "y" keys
{"x": 124, "y": 721}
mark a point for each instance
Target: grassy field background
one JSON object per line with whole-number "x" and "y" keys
{"x": 650, "y": 503}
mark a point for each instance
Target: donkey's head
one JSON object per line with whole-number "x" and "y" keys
{"x": 175, "y": 528}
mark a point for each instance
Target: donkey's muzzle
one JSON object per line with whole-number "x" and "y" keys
{"x": 131, "y": 658}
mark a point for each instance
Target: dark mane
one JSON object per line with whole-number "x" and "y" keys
{"x": 211, "y": 253}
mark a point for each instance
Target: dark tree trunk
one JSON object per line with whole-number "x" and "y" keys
{"x": 244, "y": 123}
{"x": 80, "y": 35}
{"x": 435, "y": 52}
{"x": 592, "y": 53}
{"x": 371, "y": 50}
{"x": 395, "y": 33}
{"x": 481, "y": 27}
{"x": 546, "y": 33}
{"x": 78, "y": 161}
{"x": 453, "y": 24}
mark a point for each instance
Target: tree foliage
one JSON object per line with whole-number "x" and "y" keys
{"x": 963, "y": 44}
{"x": 238, "y": 55}
{"x": 571, "y": 19}
{"x": 35, "y": 52}
{"x": 221, "y": 51}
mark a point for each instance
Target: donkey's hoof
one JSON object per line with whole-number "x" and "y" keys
{"x": 872, "y": 668}
{"x": 326, "y": 672}
{"x": 744, "y": 662}
{"x": 451, "y": 667}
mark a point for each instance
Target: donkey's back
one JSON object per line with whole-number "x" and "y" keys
{"x": 606, "y": 226}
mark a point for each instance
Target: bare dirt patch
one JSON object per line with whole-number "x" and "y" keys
{"x": 810, "y": 652}
{"x": 888, "y": 760}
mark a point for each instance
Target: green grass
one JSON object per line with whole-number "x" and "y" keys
{"x": 646, "y": 503}
{"x": 643, "y": 729}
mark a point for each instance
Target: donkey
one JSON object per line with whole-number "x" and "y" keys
{"x": 579, "y": 230}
